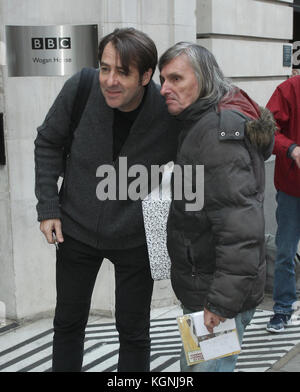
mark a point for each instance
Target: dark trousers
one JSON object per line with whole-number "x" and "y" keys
{"x": 77, "y": 266}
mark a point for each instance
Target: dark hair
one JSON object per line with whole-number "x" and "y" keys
{"x": 211, "y": 81}
{"x": 133, "y": 46}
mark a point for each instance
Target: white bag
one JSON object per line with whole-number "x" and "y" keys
{"x": 156, "y": 208}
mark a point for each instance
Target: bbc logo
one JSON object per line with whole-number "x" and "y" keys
{"x": 51, "y": 43}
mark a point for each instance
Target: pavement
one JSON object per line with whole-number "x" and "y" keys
{"x": 289, "y": 362}
{"x": 13, "y": 336}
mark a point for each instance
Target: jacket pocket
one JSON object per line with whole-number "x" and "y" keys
{"x": 195, "y": 276}
{"x": 201, "y": 280}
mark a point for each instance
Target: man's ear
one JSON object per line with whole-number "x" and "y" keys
{"x": 147, "y": 77}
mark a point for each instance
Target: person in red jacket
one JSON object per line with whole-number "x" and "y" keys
{"x": 285, "y": 106}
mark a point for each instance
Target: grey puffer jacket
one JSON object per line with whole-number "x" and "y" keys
{"x": 217, "y": 253}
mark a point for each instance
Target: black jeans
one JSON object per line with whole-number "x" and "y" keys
{"x": 77, "y": 266}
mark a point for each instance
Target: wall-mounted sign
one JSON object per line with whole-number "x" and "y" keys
{"x": 287, "y": 55}
{"x": 50, "y": 50}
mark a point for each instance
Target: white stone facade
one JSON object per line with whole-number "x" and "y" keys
{"x": 245, "y": 35}
{"x": 247, "y": 38}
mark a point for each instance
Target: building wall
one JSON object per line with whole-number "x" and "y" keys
{"x": 27, "y": 262}
{"x": 246, "y": 36}
{"x": 7, "y": 284}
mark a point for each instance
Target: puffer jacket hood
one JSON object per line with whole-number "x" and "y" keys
{"x": 260, "y": 127}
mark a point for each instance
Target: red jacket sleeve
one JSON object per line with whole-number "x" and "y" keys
{"x": 279, "y": 106}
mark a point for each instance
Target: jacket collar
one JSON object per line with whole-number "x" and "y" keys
{"x": 236, "y": 100}
{"x": 194, "y": 111}
{"x": 258, "y": 121}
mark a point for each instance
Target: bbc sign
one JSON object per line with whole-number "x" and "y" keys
{"x": 51, "y": 50}
{"x": 51, "y": 43}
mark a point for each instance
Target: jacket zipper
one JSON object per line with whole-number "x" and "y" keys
{"x": 102, "y": 212}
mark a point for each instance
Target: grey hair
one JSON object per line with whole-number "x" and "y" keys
{"x": 212, "y": 83}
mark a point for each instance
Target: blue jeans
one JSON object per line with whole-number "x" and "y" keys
{"x": 226, "y": 364}
{"x": 287, "y": 238}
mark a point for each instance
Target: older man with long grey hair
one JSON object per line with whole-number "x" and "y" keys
{"x": 217, "y": 253}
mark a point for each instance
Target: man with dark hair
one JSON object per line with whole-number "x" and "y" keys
{"x": 217, "y": 253}
{"x": 124, "y": 117}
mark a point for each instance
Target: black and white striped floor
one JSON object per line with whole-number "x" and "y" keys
{"x": 28, "y": 349}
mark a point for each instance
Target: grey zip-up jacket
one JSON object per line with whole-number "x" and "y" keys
{"x": 104, "y": 224}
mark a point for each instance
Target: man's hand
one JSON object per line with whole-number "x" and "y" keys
{"x": 296, "y": 155}
{"x": 52, "y": 226}
{"x": 212, "y": 320}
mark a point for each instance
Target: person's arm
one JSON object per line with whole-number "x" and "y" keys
{"x": 238, "y": 228}
{"x": 48, "y": 153}
{"x": 279, "y": 106}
